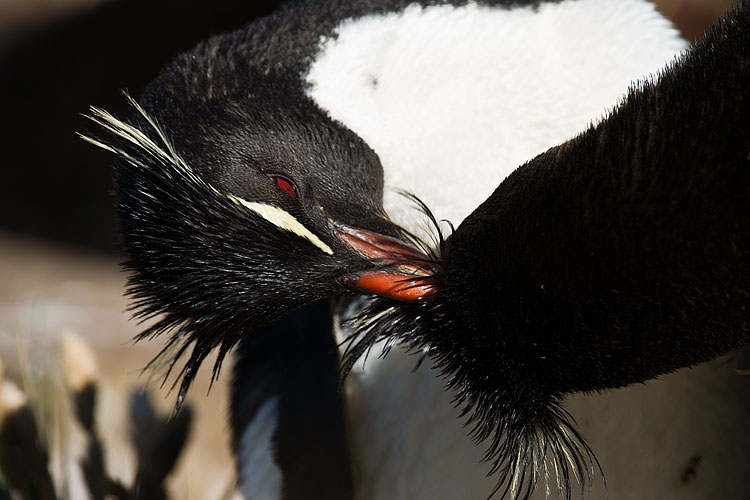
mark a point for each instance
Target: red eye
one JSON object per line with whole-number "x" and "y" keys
{"x": 285, "y": 184}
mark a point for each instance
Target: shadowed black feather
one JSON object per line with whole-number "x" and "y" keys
{"x": 194, "y": 253}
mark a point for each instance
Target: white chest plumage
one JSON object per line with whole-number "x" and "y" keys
{"x": 453, "y": 99}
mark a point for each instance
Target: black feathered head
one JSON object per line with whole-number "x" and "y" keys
{"x": 216, "y": 251}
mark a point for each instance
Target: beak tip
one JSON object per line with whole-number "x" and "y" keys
{"x": 395, "y": 286}
{"x": 402, "y": 271}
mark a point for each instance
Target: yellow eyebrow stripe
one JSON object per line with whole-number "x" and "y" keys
{"x": 284, "y": 220}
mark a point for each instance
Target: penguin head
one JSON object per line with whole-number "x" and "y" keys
{"x": 237, "y": 206}
{"x": 265, "y": 141}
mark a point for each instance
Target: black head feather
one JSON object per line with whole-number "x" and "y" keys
{"x": 210, "y": 265}
{"x": 214, "y": 247}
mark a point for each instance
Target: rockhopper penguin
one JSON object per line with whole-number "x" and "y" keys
{"x": 251, "y": 182}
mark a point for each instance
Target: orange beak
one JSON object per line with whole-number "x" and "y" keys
{"x": 405, "y": 269}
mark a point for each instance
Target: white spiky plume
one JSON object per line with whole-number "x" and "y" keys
{"x": 140, "y": 140}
